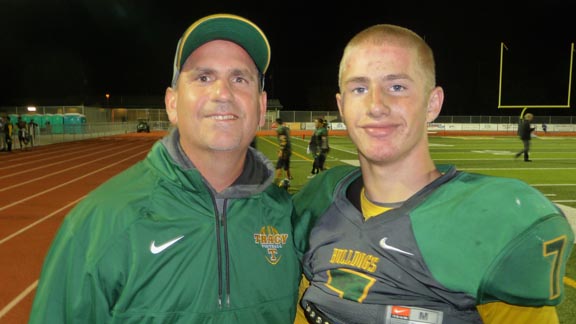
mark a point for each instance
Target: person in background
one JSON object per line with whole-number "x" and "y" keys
{"x": 284, "y": 152}
{"x": 544, "y": 128}
{"x": 313, "y": 150}
{"x": 326, "y": 144}
{"x": 318, "y": 147}
{"x": 400, "y": 238}
{"x": 525, "y": 133}
{"x": 197, "y": 232}
{"x": 32, "y": 131}
{"x": 23, "y": 137}
{"x": 48, "y": 127}
{"x": 2, "y": 134}
{"x": 8, "y": 132}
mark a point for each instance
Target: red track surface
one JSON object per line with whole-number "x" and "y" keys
{"x": 37, "y": 189}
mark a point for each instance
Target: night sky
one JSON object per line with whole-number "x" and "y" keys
{"x": 65, "y": 52}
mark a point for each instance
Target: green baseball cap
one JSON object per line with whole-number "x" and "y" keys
{"x": 226, "y": 27}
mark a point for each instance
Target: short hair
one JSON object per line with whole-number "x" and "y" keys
{"x": 382, "y": 33}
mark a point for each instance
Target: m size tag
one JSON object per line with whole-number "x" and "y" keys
{"x": 412, "y": 315}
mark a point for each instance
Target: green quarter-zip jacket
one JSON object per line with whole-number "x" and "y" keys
{"x": 155, "y": 244}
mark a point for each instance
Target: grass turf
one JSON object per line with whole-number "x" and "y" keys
{"x": 553, "y": 172}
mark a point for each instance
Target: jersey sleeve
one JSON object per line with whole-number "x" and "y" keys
{"x": 530, "y": 270}
{"x": 312, "y": 200}
{"x": 502, "y": 313}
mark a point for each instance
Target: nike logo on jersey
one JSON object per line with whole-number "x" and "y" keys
{"x": 155, "y": 249}
{"x": 391, "y": 248}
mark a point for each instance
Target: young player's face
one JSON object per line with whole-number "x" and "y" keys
{"x": 385, "y": 103}
{"x": 216, "y": 103}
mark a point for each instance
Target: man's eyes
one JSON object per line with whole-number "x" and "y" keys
{"x": 359, "y": 90}
{"x": 239, "y": 79}
{"x": 393, "y": 88}
{"x": 235, "y": 79}
{"x": 397, "y": 87}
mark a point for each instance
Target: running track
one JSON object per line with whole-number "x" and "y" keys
{"x": 38, "y": 187}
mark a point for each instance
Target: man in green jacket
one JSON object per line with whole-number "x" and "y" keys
{"x": 196, "y": 232}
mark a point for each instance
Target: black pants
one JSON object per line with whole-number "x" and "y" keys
{"x": 321, "y": 161}
{"x": 8, "y": 143}
{"x": 525, "y": 151}
{"x": 318, "y": 164}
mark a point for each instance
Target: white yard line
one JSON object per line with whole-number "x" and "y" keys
{"x": 571, "y": 215}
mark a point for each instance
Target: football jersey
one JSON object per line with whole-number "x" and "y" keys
{"x": 464, "y": 240}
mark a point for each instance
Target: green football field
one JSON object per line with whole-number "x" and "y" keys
{"x": 553, "y": 172}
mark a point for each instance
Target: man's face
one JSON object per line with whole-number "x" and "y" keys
{"x": 385, "y": 103}
{"x": 216, "y": 103}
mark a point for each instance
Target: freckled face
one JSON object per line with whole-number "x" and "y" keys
{"x": 216, "y": 103}
{"x": 384, "y": 102}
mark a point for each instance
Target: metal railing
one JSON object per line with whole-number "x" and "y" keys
{"x": 53, "y": 126}
{"x": 100, "y": 114}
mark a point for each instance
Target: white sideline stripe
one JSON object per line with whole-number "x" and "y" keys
{"x": 62, "y": 171}
{"x": 65, "y": 155}
{"x": 512, "y": 169}
{"x": 570, "y": 213}
{"x": 519, "y": 160}
{"x": 332, "y": 146}
{"x": 64, "y": 184}
{"x": 24, "y": 229}
{"x": 18, "y": 298}
{"x": 31, "y": 288}
{"x": 352, "y": 162}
